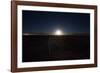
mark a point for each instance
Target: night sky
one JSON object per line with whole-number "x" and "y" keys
{"x": 48, "y": 22}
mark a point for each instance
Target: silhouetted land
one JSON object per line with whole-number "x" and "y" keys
{"x": 52, "y": 48}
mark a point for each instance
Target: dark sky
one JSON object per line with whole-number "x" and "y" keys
{"x": 48, "y": 22}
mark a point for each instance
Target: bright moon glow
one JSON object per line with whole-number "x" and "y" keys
{"x": 58, "y": 32}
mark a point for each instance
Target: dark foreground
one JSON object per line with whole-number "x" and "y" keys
{"x": 52, "y": 48}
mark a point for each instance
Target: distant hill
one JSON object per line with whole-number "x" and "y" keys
{"x": 55, "y": 34}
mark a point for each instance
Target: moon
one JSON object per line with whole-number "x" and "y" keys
{"x": 58, "y": 32}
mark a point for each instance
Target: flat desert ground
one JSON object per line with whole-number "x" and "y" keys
{"x": 54, "y": 48}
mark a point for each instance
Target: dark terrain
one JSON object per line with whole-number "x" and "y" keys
{"x": 52, "y": 48}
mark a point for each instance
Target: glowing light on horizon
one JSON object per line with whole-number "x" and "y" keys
{"x": 58, "y": 32}
{"x": 26, "y": 34}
